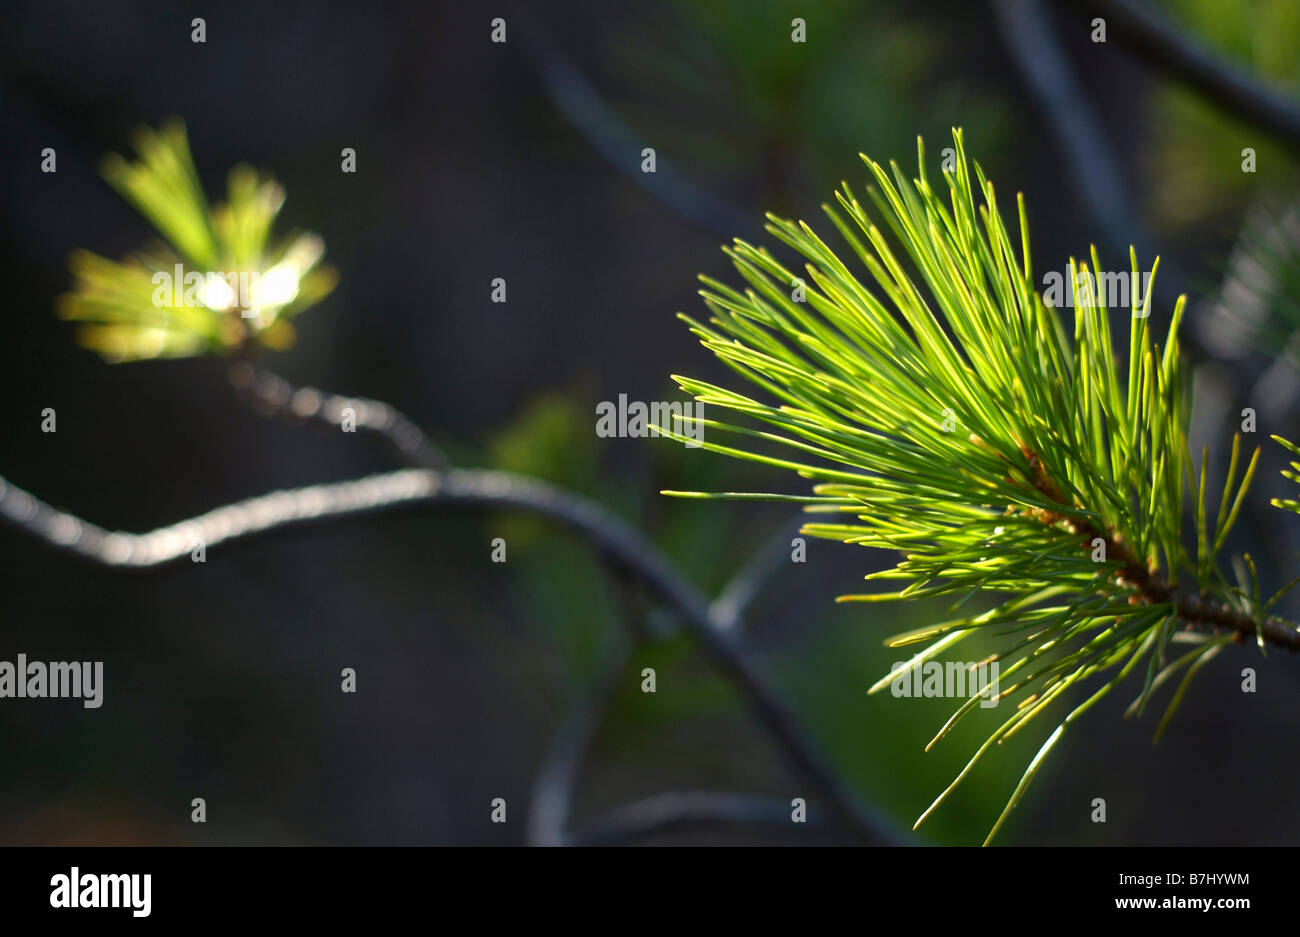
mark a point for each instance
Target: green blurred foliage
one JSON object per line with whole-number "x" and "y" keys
{"x": 1192, "y": 162}
{"x": 740, "y": 99}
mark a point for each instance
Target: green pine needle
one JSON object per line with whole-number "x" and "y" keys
{"x": 943, "y": 411}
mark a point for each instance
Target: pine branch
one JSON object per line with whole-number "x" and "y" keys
{"x": 218, "y": 284}
{"x": 1196, "y": 609}
{"x": 949, "y": 416}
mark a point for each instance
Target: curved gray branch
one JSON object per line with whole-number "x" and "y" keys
{"x": 1035, "y": 49}
{"x": 1154, "y": 40}
{"x": 738, "y": 594}
{"x": 600, "y": 126}
{"x": 553, "y": 788}
{"x": 458, "y": 487}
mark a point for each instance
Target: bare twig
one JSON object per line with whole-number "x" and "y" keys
{"x": 274, "y": 511}
{"x": 1066, "y": 109}
{"x": 1155, "y": 41}
{"x": 273, "y": 396}
{"x": 745, "y": 586}
{"x": 552, "y": 803}
{"x": 601, "y": 127}
{"x": 1031, "y": 39}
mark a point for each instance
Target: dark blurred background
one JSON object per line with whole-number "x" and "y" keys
{"x": 521, "y": 160}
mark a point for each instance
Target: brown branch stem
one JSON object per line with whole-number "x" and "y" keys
{"x": 1196, "y": 609}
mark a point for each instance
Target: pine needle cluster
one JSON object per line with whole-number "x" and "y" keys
{"x": 942, "y": 410}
